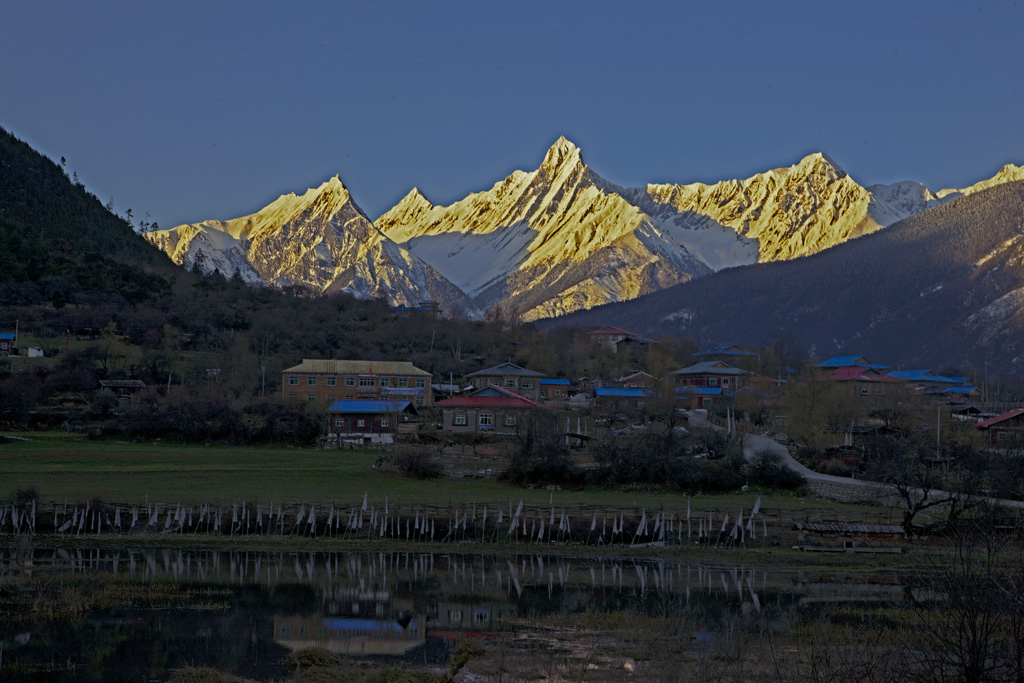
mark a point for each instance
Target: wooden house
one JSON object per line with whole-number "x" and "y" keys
{"x": 509, "y": 376}
{"x": 366, "y": 421}
{"x": 709, "y": 374}
{"x": 492, "y": 409}
{"x": 554, "y": 389}
{"x": 1004, "y": 431}
{"x": 622, "y": 397}
{"x": 7, "y": 343}
{"x": 610, "y": 336}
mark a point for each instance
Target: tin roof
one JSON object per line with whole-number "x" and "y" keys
{"x": 319, "y": 366}
{"x": 710, "y": 367}
{"x": 7, "y": 336}
{"x": 356, "y": 406}
{"x": 611, "y": 331}
{"x": 491, "y": 397}
{"x": 924, "y": 376}
{"x": 848, "y": 361}
{"x": 506, "y": 369}
{"x": 702, "y": 391}
{"x": 725, "y": 350}
{"x": 1000, "y": 418}
{"x": 622, "y": 393}
{"x": 558, "y": 382}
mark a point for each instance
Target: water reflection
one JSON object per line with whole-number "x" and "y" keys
{"x": 243, "y": 611}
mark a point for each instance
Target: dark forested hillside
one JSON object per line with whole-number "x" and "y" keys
{"x": 941, "y": 287}
{"x": 57, "y": 240}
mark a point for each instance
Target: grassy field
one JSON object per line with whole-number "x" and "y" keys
{"x": 59, "y": 465}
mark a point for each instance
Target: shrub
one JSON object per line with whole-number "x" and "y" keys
{"x": 418, "y": 464}
{"x": 767, "y": 469}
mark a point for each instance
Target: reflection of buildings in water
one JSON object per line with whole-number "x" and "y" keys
{"x": 453, "y": 620}
{"x": 349, "y": 635}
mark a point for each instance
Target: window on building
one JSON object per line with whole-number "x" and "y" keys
{"x": 403, "y": 382}
{"x": 311, "y": 380}
{"x": 367, "y": 382}
{"x": 526, "y": 384}
{"x": 350, "y": 381}
{"x": 360, "y": 422}
{"x": 332, "y": 381}
{"x": 459, "y": 420}
{"x": 383, "y": 422}
{"x": 863, "y": 391}
{"x": 293, "y": 395}
{"x": 486, "y": 419}
{"x": 339, "y": 422}
{"x": 713, "y": 381}
{"x": 293, "y": 380}
{"x": 510, "y": 384}
{"x": 419, "y": 401}
{"x": 510, "y": 420}
{"x": 349, "y": 397}
{"x": 879, "y": 391}
{"x": 420, "y": 383}
{"x": 310, "y": 397}
{"x": 331, "y": 397}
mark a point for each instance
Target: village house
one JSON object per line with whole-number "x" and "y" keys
{"x": 554, "y": 389}
{"x": 7, "y": 342}
{"x": 525, "y": 383}
{"x": 122, "y": 389}
{"x": 335, "y": 380}
{"x": 709, "y": 374}
{"x": 637, "y": 380}
{"x": 610, "y": 336}
{"x": 697, "y": 398}
{"x": 622, "y": 397}
{"x": 367, "y": 421}
{"x": 492, "y": 409}
{"x": 1004, "y": 431}
{"x": 866, "y": 382}
{"x": 723, "y": 351}
{"x": 836, "y": 362}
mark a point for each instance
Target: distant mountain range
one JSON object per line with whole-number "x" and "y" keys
{"x": 942, "y": 287}
{"x": 552, "y": 241}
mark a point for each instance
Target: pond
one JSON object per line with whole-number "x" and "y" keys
{"x": 108, "y": 614}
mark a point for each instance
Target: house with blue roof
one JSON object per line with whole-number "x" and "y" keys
{"x": 367, "y": 421}
{"x": 630, "y": 398}
{"x": 836, "y": 362}
{"x": 552, "y": 389}
{"x": 7, "y": 342}
{"x": 725, "y": 351}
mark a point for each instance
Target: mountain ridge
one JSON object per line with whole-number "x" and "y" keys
{"x": 556, "y": 239}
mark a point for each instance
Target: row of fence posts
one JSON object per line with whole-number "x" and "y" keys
{"x": 467, "y": 522}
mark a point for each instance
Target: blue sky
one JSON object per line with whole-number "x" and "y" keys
{"x": 199, "y": 110}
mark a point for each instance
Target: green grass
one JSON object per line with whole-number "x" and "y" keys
{"x": 59, "y": 465}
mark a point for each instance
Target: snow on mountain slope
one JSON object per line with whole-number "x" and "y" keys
{"x": 320, "y": 239}
{"x": 549, "y": 240}
{"x": 1006, "y": 174}
{"x": 780, "y": 214}
{"x": 906, "y": 198}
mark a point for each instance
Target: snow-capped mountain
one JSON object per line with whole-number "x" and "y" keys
{"x": 321, "y": 240}
{"x": 547, "y": 242}
{"x": 551, "y": 241}
{"x": 783, "y": 213}
{"x": 562, "y": 238}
